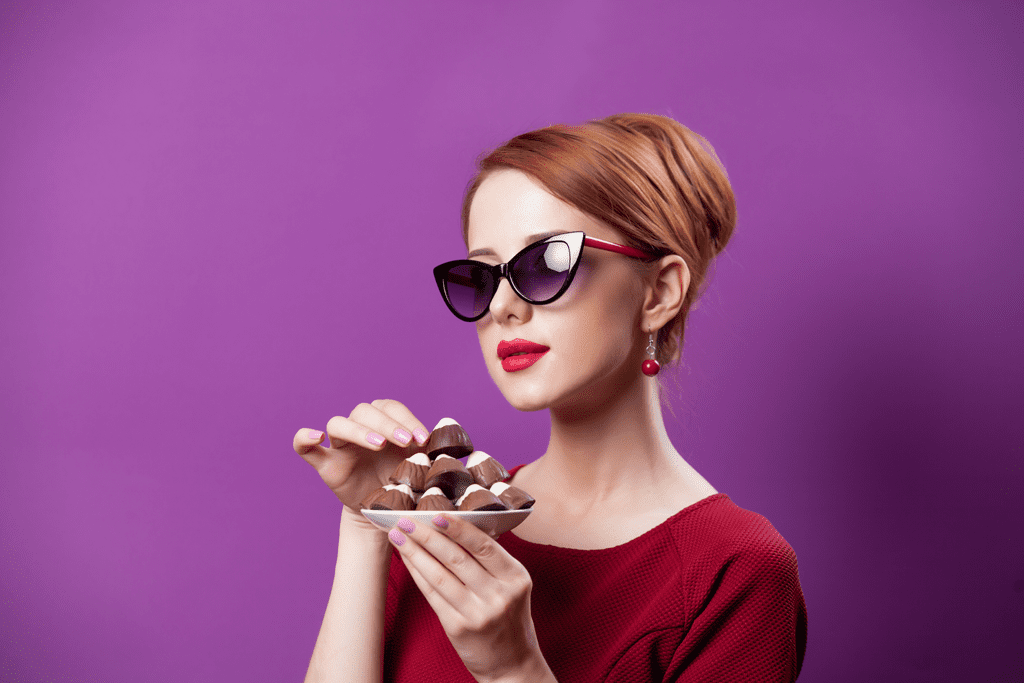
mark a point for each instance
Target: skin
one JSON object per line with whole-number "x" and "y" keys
{"x": 608, "y": 446}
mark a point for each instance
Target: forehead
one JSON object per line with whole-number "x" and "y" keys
{"x": 512, "y": 209}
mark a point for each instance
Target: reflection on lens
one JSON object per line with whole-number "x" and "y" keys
{"x": 541, "y": 270}
{"x": 469, "y": 289}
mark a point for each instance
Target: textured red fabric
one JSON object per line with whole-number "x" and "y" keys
{"x": 711, "y": 594}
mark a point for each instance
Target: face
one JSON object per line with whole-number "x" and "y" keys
{"x": 592, "y": 331}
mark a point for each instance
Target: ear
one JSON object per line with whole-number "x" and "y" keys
{"x": 665, "y": 292}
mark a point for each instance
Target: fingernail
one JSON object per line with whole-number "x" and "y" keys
{"x": 315, "y": 435}
{"x": 406, "y": 525}
{"x": 375, "y": 438}
{"x": 421, "y": 436}
{"x": 396, "y": 537}
{"x": 440, "y": 522}
{"x": 402, "y": 435}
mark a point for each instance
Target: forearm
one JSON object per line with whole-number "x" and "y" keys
{"x": 349, "y": 647}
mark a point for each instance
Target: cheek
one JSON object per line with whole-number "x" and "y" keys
{"x": 601, "y": 325}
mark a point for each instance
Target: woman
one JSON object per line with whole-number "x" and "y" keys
{"x": 587, "y": 248}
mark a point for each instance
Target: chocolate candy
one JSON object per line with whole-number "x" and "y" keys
{"x": 478, "y": 499}
{"x": 513, "y": 496}
{"x": 449, "y": 475}
{"x": 450, "y": 439}
{"x": 485, "y": 469}
{"x": 372, "y": 497}
{"x": 436, "y": 481}
{"x": 435, "y": 500}
{"x": 395, "y": 497}
{"x": 412, "y": 472}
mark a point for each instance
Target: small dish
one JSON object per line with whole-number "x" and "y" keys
{"x": 493, "y": 523}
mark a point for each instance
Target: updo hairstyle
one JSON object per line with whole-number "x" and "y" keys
{"x": 655, "y": 181}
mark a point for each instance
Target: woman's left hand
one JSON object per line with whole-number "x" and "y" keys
{"x": 480, "y": 593}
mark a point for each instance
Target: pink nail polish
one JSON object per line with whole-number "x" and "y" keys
{"x": 440, "y": 522}
{"x": 421, "y": 436}
{"x": 406, "y": 525}
{"x": 402, "y": 435}
{"x": 375, "y": 438}
{"x": 396, "y": 537}
{"x": 315, "y": 435}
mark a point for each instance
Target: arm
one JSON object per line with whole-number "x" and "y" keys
{"x": 350, "y": 644}
{"x": 753, "y": 627}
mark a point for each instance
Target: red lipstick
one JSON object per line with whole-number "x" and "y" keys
{"x": 519, "y": 354}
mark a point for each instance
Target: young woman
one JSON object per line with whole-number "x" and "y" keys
{"x": 587, "y": 247}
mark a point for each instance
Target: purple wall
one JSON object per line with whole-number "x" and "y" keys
{"x": 217, "y": 223}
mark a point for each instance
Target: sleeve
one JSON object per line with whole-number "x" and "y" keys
{"x": 753, "y": 625}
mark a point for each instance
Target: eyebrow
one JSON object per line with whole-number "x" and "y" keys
{"x": 529, "y": 240}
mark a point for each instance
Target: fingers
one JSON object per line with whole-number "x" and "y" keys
{"x": 372, "y": 426}
{"x": 404, "y": 416}
{"x": 484, "y": 549}
{"x": 306, "y": 443}
{"x": 444, "y": 609}
{"x": 440, "y": 585}
{"x": 462, "y": 550}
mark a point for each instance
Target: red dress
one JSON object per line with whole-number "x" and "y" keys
{"x": 711, "y": 594}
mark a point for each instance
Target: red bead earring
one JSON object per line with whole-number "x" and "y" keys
{"x": 651, "y": 366}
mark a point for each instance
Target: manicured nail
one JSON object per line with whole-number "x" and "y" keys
{"x": 440, "y": 522}
{"x": 315, "y": 435}
{"x": 375, "y": 438}
{"x": 402, "y": 436}
{"x": 406, "y": 525}
{"x": 421, "y": 436}
{"x": 396, "y": 537}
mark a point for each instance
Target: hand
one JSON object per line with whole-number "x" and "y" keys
{"x": 480, "y": 593}
{"x": 354, "y": 466}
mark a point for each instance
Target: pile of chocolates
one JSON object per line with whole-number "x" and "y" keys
{"x": 436, "y": 479}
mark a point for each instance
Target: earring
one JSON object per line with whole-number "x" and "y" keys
{"x": 650, "y": 366}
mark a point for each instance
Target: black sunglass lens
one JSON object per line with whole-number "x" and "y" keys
{"x": 540, "y": 271}
{"x": 469, "y": 289}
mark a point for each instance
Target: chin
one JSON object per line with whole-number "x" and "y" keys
{"x": 524, "y": 396}
{"x": 525, "y": 404}
{"x": 525, "y": 399}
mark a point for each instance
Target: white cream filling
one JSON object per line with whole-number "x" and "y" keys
{"x": 404, "y": 488}
{"x": 471, "y": 489}
{"x": 475, "y": 458}
{"x": 445, "y": 421}
{"x": 419, "y": 459}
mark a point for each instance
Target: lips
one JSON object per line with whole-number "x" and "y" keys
{"x": 519, "y": 354}
{"x": 506, "y": 349}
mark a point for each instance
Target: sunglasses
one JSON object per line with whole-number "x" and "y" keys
{"x": 538, "y": 274}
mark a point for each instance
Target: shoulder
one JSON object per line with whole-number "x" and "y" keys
{"x": 736, "y": 571}
{"x": 717, "y": 534}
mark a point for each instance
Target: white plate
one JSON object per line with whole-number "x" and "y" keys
{"x": 493, "y": 523}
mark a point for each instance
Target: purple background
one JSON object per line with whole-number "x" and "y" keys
{"x": 218, "y": 222}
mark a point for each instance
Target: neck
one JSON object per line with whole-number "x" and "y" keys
{"x": 612, "y": 449}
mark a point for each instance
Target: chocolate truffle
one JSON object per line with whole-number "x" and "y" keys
{"x": 449, "y": 438}
{"x": 412, "y": 472}
{"x": 513, "y": 496}
{"x": 485, "y": 469}
{"x": 435, "y": 500}
{"x": 372, "y": 497}
{"x": 449, "y": 475}
{"x": 396, "y": 497}
{"x": 478, "y": 499}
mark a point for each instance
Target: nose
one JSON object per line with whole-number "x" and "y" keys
{"x": 506, "y": 303}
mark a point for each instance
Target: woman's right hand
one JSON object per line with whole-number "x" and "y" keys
{"x": 365, "y": 448}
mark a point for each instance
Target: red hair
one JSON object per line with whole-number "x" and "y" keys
{"x": 654, "y": 180}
